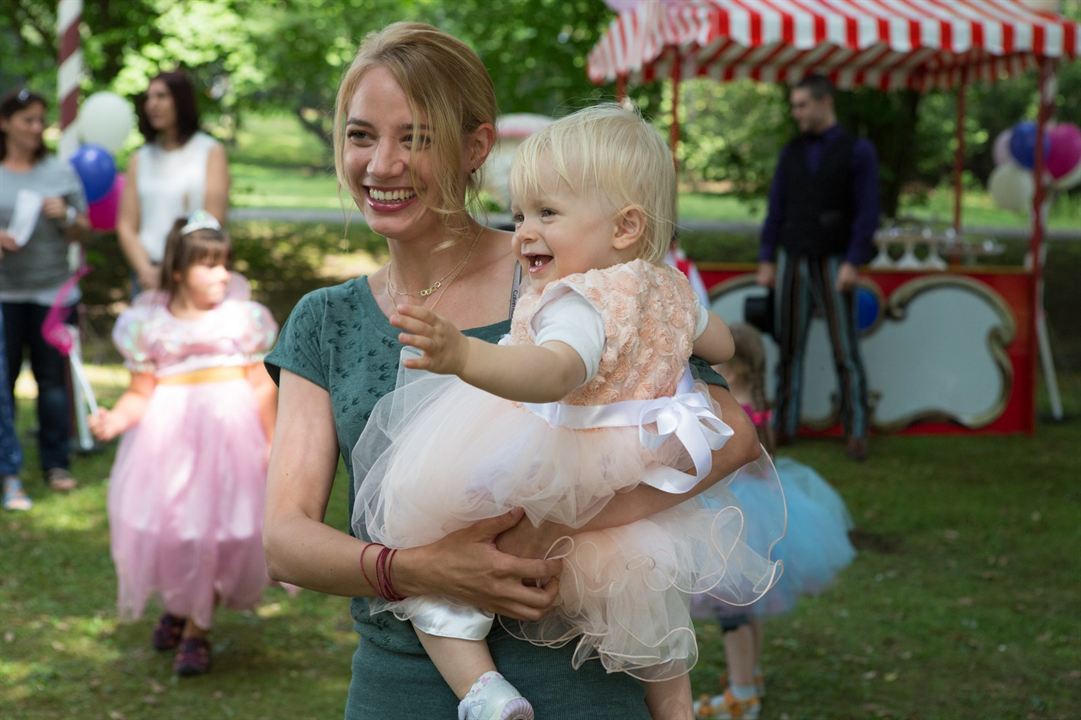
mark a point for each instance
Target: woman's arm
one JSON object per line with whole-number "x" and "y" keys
{"x": 127, "y": 230}
{"x": 301, "y": 549}
{"x": 715, "y": 345}
{"x": 216, "y": 201}
{"x": 129, "y": 409}
{"x": 75, "y": 225}
{"x": 645, "y": 500}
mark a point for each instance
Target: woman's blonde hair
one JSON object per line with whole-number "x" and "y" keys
{"x": 446, "y": 86}
{"x": 612, "y": 153}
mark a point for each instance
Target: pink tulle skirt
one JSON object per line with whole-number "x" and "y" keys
{"x": 438, "y": 455}
{"x": 186, "y": 502}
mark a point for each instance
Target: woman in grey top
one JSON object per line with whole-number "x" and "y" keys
{"x": 32, "y": 273}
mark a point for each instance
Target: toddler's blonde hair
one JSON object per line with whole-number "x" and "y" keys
{"x": 612, "y": 153}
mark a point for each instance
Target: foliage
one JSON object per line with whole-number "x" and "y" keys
{"x": 251, "y": 56}
{"x": 730, "y": 133}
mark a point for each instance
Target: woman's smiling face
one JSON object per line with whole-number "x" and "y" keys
{"x": 25, "y": 128}
{"x": 387, "y": 159}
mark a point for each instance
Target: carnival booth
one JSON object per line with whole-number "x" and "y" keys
{"x": 948, "y": 346}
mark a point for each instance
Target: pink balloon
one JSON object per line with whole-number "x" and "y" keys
{"x": 1065, "y": 152}
{"x": 1001, "y": 150}
{"x": 102, "y": 214}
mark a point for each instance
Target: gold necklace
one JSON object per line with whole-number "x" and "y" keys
{"x": 445, "y": 282}
{"x": 435, "y": 302}
{"x": 438, "y": 283}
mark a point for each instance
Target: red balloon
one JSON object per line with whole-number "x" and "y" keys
{"x": 1065, "y": 152}
{"x": 102, "y": 214}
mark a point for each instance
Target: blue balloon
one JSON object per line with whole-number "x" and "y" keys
{"x": 867, "y": 308}
{"x": 1023, "y": 144}
{"x": 96, "y": 169}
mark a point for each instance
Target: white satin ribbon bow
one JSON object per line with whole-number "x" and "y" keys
{"x": 688, "y": 416}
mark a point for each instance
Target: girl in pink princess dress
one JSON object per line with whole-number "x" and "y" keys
{"x": 589, "y": 396}
{"x": 187, "y": 486}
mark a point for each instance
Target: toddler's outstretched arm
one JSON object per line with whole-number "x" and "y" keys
{"x": 523, "y": 373}
{"x": 715, "y": 345}
{"x": 129, "y": 409}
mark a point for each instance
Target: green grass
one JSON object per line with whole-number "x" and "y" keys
{"x": 961, "y": 604}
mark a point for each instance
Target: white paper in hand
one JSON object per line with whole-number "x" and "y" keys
{"x": 27, "y": 208}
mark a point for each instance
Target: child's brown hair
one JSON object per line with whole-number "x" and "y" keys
{"x": 192, "y": 240}
{"x": 748, "y": 368}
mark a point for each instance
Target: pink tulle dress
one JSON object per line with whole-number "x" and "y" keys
{"x": 438, "y": 454}
{"x": 187, "y": 487}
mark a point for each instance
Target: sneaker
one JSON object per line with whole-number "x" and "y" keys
{"x": 15, "y": 498}
{"x": 759, "y": 685}
{"x": 727, "y": 707}
{"x": 60, "y": 480}
{"x": 167, "y": 632}
{"x": 493, "y": 698}
{"x": 192, "y": 657}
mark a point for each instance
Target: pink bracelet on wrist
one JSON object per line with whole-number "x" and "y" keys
{"x": 384, "y": 562}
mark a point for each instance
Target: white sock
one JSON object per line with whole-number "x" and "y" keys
{"x": 490, "y": 697}
{"x": 743, "y": 693}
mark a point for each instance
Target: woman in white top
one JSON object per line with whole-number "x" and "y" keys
{"x": 179, "y": 170}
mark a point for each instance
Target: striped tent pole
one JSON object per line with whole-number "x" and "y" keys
{"x": 69, "y": 15}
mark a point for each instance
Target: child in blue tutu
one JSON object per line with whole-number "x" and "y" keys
{"x": 814, "y": 550}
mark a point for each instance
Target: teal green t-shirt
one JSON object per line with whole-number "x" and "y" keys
{"x": 339, "y": 339}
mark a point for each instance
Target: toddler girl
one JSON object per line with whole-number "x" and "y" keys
{"x": 814, "y": 550}
{"x": 588, "y": 397}
{"x": 187, "y": 486}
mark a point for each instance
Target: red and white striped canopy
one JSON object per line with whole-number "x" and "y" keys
{"x": 888, "y": 44}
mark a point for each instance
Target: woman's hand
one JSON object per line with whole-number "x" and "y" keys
{"x": 149, "y": 277}
{"x": 7, "y": 242}
{"x": 526, "y": 540}
{"x": 467, "y": 566}
{"x": 54, "y": 208}
{"x": 443, "y": 344}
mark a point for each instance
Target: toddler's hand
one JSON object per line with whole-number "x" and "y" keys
{"x": 104, "y": 425}
{"x": 443, "y": 345}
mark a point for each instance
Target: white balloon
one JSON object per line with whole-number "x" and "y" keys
{"x": 1001, "y": 149}
{"x": 1011, "y": 187}
{"x": 106, "y": 119}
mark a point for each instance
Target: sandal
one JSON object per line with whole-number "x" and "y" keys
{"x": 193, "y": 657}
{"x": 167, "y": 632}
{"x": 15, "y": 498}
{"x": 60, "y": 480}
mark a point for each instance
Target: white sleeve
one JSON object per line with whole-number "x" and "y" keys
{"x": 571, "y": 319}
{"x": 702, "y": 321}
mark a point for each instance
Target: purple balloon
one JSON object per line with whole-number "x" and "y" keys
{"x": 102, "y": 214}
{"x": 1065, "y": 152}
{"x": 96, "y": 169}
{"x": 1023, "y": 144}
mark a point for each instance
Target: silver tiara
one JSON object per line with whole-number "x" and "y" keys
{"x": 200, "y": 220}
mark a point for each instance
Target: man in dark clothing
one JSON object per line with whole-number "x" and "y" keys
{"x": 823, "y": 211}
